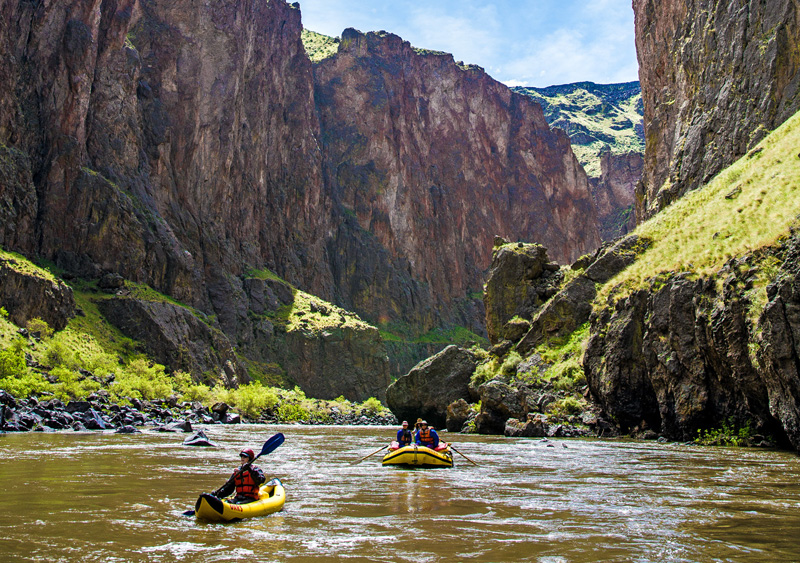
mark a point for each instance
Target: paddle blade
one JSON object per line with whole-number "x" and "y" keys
{"x": 188, "y": 513}
{"x": 271, "y": 444}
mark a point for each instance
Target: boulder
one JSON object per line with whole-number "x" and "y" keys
{"x": 510, "y": 287}
{"x": 458, "y": 412}
{"x": 615, "y": 257}
{"x": 199, "y": 438}
{"x": 534, "y": 427}
{"x": 432, "y": 385}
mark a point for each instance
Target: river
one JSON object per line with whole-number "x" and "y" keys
{"x": 118, "y": 498}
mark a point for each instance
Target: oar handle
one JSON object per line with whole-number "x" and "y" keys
{"x": 462, "y": 455}
{"x": 370, "y": 455}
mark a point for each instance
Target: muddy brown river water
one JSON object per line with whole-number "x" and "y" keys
{"x": 117, "y": 498}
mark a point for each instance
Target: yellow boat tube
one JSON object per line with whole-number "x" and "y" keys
{"x": 419, "y": 456}
{"x": 272, "y": 497}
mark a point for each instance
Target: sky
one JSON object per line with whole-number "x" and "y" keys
{"x": 518, "y": 42}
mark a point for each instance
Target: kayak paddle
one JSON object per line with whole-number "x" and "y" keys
{"x": 462, "y": 455}
{"x": 366, "y": 456}
{"x": 269, "y": 446}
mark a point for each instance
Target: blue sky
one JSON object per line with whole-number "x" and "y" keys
{"x": 519, "y": 42}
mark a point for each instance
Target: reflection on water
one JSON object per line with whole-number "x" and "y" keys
{"x": 106, "y": 497}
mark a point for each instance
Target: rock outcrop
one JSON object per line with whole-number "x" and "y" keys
{"x": 521, "y": 279}
{"x": 716, "y": 78}
{"x": 431, "y": 386}
{"x": 27, "y": 292}
{"x": 177, "y": 338}
{"x": 688, "y": 354}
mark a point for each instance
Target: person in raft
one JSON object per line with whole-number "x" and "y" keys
{"x": 245, "y": 480}
{"x": 427, "y": 436}
{"x": 404, "y": 435}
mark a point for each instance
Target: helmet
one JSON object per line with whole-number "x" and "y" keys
{"x": 249, "y": 453}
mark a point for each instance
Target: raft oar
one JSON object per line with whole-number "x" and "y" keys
{"x": 269, "y": 446}
{"x": 462, "y": 455}
{"x": 366, "y": 456}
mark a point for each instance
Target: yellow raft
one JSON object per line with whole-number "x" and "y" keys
{"x": 272, "y": 497}
{"x": 419, "y": 456}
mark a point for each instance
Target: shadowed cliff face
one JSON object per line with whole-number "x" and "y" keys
{"x": 715, "y": 79}
{"x": 169, "y": 142}
{"x": 433, "y": 160}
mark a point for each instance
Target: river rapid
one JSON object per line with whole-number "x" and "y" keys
{"x": 118, "y": 498}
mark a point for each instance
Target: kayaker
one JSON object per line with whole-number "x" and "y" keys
{"x": 404, "y": 436}
{"x": 245, "y": 480}
{"x": 427, "y": 436}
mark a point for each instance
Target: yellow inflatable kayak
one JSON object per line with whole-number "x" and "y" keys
{"x": 272, "y": 497}
{"x": 420, "y": 456}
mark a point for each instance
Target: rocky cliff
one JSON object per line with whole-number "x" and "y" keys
{"x": 429, "y": 159}
{"x": 690, "y": 353}
{"x": 715, "y": 79}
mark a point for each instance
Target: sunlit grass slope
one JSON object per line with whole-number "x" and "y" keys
{"x": 318, "y": 46}
{"x": 750, "y": 205}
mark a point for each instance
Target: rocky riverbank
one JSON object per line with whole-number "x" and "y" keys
{"x": 97, "y": 412}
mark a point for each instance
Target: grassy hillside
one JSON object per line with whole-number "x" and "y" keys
{"x": 750, "y": 205}
{"x": 597, "y": 118}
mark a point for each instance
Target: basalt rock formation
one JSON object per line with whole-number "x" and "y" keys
{"x": 689, "y": 353}
{"x": 30, "y": 293}
{"x": 177, "y": 338}
{"x": 433, "y": 159}
{"x": 431, "y": 386}
{"x": 716, "y": 78}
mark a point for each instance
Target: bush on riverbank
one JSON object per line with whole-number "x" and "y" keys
{"x": 71, "y": 366}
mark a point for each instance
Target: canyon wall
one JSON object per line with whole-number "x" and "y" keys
{"x": 433, "y": 159}
{"x": 715, "y": 77}
{"x": 184, "y": 145}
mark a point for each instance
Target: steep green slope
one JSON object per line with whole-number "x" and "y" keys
{"x": 748, "y": 206}
{"x": 597, "y": 117}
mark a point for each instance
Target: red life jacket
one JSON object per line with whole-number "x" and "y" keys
{"x": 246, "y": 485}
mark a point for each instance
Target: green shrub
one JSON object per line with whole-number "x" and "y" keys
{"x": 12, "y": 363}
{"x": 140, "y": 380}
{"x": 292, "y": 412}
{"x": 730, "y": 434}
{"x": 71, "y": 386}
{"x": 567, "y": 406}
{"x": 484, "y": 372}
{"x": 40, "y": 326}
{"x": 15, "y": 377}
{"x": 509, "y": 366}
{"x": 567, "y": 375}
{"x": 59, "y": 354}
{"x": 253, "y": 399}
{"x": 372, "y": 405}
